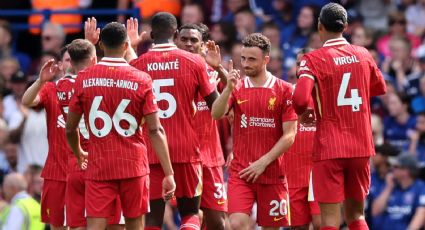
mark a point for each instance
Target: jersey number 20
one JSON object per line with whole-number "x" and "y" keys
{"x": 355, "y": 101}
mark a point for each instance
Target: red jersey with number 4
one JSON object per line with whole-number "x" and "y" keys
{"x": 258, "y": 116}
{"x": 345, "y": 76}
{"x": 206, "y": 127}
{"x": 64, "y": 90}
{"x": 299, "y": 158}
{"x": 55, "y": 167}
{"x": 114, "y": 97}
{"x": 178, "y": 77}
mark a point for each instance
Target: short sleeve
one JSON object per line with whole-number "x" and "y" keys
{"x": 377, "y": 81}
{"x": 44, "y": 94}
{"x": 149, "y": 103}
{"x": 75, "y": 104}
{"x": 206, "y": 84}
{"x": 307, "y": 68}
{"x": 288, "y": 112}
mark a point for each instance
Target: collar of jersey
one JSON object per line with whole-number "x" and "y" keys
{"x": 109, "y": 61}
{"x": 335, "y": 42}
{"x": 164, "y": 47}
{"x": 268, "y": 84}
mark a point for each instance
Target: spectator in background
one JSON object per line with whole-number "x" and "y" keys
{"x": 417, "y": 139}
{"x": 362, "y": 37}
{"x": 52, "y": 38}
{"x": 6, "y": 47}
{"x": 236, "y": 57}
{"x": 232, "y": 7}
{"x": 4, "y": 164}
{"x": 377, "y": 129}
{"x": 400, "y": 63}
{"x": 284, "y": 17}
{"x": 397, "y": 27}
{"x": 399, "y": 121}
{"x": 418, "y": 102}
{"x": 306, "y": 25}
{"x": 415, "y": 15}
{"x": 24, "y": 211}
{"x": 224, "y": 35}
{"x": 8, "y": 67}
{"x": 271, "y": 31}
{"x": 11, "y": 152}
{"x": 275, "y": 63}
{"x": 401, "y": 203}
{"x": 375, "y": 13}
{"x": 245, "y": 23}
{"x": 34, "y": 180}
{"x": 192, "y": 14}
{"x": 12, "y": 113}
{"x": 381, "y": 167}
{"x": 314, "y": 41}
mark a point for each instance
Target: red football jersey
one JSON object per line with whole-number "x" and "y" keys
{"x": 206, "y": 128}
{"x": 55, "y": 167}
{"x": 299, "y": 158}
{"x": 114, "y": 97}
{"x": 346, "y": 76}
{"x": 178, "y": 77}
{"x": 64, "y": 90}
{"x": 258, "y": 116}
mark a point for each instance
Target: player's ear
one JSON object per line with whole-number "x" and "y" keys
{"x": 345, "y": 27}
{"x": 266, "y": 59}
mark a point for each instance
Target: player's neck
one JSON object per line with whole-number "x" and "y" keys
{"x": 260, "y": 79}
{"x": 163, "y": 41}
{"x": 329, "y": 36}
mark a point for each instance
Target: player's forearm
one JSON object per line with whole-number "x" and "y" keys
{"x": 130, "y": 54}
{"x": 418, "y": 219}
{"x": 30, "y": 96}
{"x": 222, "y": 73}
{"x": 380, "y": 203}
{"x": 159, "y": 143}
{"x": 73, "y": 138}
{"x": 282, "y": 145}
{"x": 301, "y": 97}
{"x": 220, "y": 106}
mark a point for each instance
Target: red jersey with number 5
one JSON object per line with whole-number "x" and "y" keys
{"x": 114, "y": 97}
{"x": 178, "y": 77}
{"x": 64, "y": 90}
{"x": 345, "y": 76}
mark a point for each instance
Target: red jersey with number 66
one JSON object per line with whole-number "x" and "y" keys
{"x": 178, "y": 77}
{"x": 345, "y": 76}
{"x": 114, "y": 97}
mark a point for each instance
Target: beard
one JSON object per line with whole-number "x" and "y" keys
{"x": 251, "y": 72}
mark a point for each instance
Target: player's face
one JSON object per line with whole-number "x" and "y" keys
{"x": 190, "y": 40}
{"x": 253, "y": 61}
{"x": 65, "y": 63}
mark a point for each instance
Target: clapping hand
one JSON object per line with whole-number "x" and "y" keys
{"x": 133, "y": 33}
{"x": 91, "y": 32}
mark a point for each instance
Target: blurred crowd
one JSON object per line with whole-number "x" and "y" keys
{"x": 392, "y": 30}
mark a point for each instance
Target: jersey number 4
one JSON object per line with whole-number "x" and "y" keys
{"x": 355, "y": 101}
{"x": 115, "y": 121}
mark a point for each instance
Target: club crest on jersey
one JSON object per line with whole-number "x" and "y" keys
{"x": 244, "y": 121}
{"x": 272, "y": 102}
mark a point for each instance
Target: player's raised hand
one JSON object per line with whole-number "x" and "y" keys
{"x": 91, "y": 32}
{"x": 133, "y": 33}
{"x": 168, "y": 187}
{"x": 48, "y": 71}
{"x": 253, "y": 171}
{"x": 232, "y": 77}
{"x": 308, "y": 118}
{"x": 213, "y": 56}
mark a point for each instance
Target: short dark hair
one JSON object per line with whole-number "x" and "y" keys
{"x": 333, "y": 17}
{"x": 257, "y": 40}
{"x": 63, "y": 51}
{"x": 163, "y": 25}
{"x": 113, "y": 35}
{"x": 80, "y": 50}
{"x": 205, "y": 31}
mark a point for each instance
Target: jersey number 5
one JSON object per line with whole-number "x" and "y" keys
{"x": 355, "y": 101}
{"x": 118, "y": 116}
{"x": 172, "y": 104}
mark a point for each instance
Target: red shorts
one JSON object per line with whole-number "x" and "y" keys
{"x": 188, "y": 177}
{"x": 102, "y": 197}
{"x": 335, "y": 180}
{"x": 301, "y": 210}
{"x": 53, "y": 202}
{"x": 272, "y": 201}
{"x": 75, "y": 202}
{"x": 214, "y": 194}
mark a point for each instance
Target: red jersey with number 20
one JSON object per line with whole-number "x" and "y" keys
{"x": 178, "y": 77}
{"x": 259, "y": 113}
{"x": 64, "y": 90}
{"x": 114, "y": 97}
{"x": 345, "y": 76}
{"x": 55, "y": 167}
